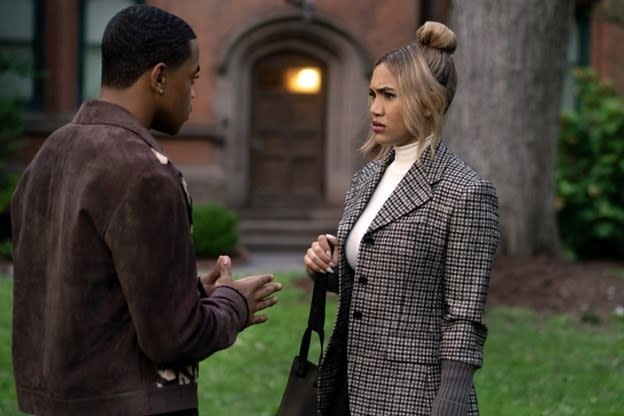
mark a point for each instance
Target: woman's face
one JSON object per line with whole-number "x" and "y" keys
{"x": 385, "y": 109}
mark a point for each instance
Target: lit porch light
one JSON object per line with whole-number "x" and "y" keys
{"x": 306, "y": 80}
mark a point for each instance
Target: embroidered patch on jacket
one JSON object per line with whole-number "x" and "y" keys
{"x": 181, "y": 376}
{"x": 161, "y": 158}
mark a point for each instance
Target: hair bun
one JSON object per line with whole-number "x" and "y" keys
{"x": 437, "y": 35}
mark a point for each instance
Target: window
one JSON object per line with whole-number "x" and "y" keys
{"x": 95, "y": 16}
{"x": 20, "y": 30}
{"x": 578, "y": 53}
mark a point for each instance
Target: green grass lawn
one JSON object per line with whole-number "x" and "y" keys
{"x": 534, "y": 366}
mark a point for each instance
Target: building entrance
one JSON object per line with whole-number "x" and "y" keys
{"x": 287, "y": 141}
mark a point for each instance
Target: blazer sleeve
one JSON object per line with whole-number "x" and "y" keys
{"x": 151, "y": 245}
{"x": 473, "y": 240}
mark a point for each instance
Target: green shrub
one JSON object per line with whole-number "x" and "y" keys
{"x": 215, "y": 230}
{"x": 8, "y": 182}
{"x": 11, "y": 127}
{"x": 590, "y": 172}
{"x": 6, "y": 250}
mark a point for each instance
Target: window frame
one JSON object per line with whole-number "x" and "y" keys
{"x": 36, "y": 45}
{"x": 83, "y": 46}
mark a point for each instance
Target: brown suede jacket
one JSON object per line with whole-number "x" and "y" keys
{"x": 107, "y": 317}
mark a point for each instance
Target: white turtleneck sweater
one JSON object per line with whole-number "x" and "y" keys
{"x": 404, "y": 158}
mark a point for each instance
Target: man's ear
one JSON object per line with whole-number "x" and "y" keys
{"x": 158, "y": 78}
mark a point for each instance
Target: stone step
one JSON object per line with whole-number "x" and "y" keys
{"x": 290, "y": 214}
{"x": 283, "y": 234}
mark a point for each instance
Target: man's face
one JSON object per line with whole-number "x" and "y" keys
{"x": 175, "y": 102}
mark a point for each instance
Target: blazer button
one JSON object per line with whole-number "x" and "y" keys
{"x": 363, "y": 280}
{"x": 368, "y": 240}
{"x": 357, "y": 315}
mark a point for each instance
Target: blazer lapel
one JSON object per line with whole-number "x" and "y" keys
{"x": 362, "y": 192}
{"x": 414, "y": 189}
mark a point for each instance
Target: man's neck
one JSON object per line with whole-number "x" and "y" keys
{"x": 131, "y": 99}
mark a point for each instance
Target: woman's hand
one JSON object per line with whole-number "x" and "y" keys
{"x": 322, "y": 256}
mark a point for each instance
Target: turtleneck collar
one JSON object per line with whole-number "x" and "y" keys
{"x": 407, "y": 154}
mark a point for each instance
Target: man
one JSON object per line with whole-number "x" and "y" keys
{"x": 109, "y": 318}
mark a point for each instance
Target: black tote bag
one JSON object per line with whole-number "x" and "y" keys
{"x": 299, "y": 398}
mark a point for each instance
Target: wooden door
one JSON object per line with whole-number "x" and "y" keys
{"x": 287, "y": 135}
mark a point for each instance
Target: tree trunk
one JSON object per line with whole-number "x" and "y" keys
{"x": 511, "y": 61}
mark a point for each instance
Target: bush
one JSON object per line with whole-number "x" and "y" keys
{"x": 590, "y": 172}
{"x": 11, "y": 126}
{"x": 215, "y": 230}
{"x": 6, "y": 250}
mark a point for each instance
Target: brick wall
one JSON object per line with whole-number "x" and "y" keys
{"x": 607, "y": 52}
{"x": 378, "y": 25}
{"x": 607, "y": 41}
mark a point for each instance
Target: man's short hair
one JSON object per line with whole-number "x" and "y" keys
{"x": 139, "y": 37}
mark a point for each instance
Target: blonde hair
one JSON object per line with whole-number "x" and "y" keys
{"x": 426, "y": 82}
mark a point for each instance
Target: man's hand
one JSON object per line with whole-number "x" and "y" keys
{"x": 257, "y": 290}
{"x": 209, "y": 281}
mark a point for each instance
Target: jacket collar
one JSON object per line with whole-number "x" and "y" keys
{"x": 103, "y": 112}
{"x": 414, "y": 189}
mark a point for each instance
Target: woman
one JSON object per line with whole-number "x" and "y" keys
{"x": 413, "y": 253}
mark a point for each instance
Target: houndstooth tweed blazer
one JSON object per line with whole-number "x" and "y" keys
{"x": 418, "y": 292}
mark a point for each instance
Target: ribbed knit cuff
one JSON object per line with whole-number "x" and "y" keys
{"x": 454, "y": 392}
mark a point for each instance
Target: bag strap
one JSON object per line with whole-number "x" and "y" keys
{"x": 316, "y": 319}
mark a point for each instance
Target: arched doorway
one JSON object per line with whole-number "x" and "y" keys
{"x": 287, "y": 131}
{"x": 345, "y": 66}
{"x": 247, "y": 113}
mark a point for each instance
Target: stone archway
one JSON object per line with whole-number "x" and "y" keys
{"x": 347, "y": 69}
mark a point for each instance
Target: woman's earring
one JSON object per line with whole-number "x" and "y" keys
{"x": 161, "y": 91}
